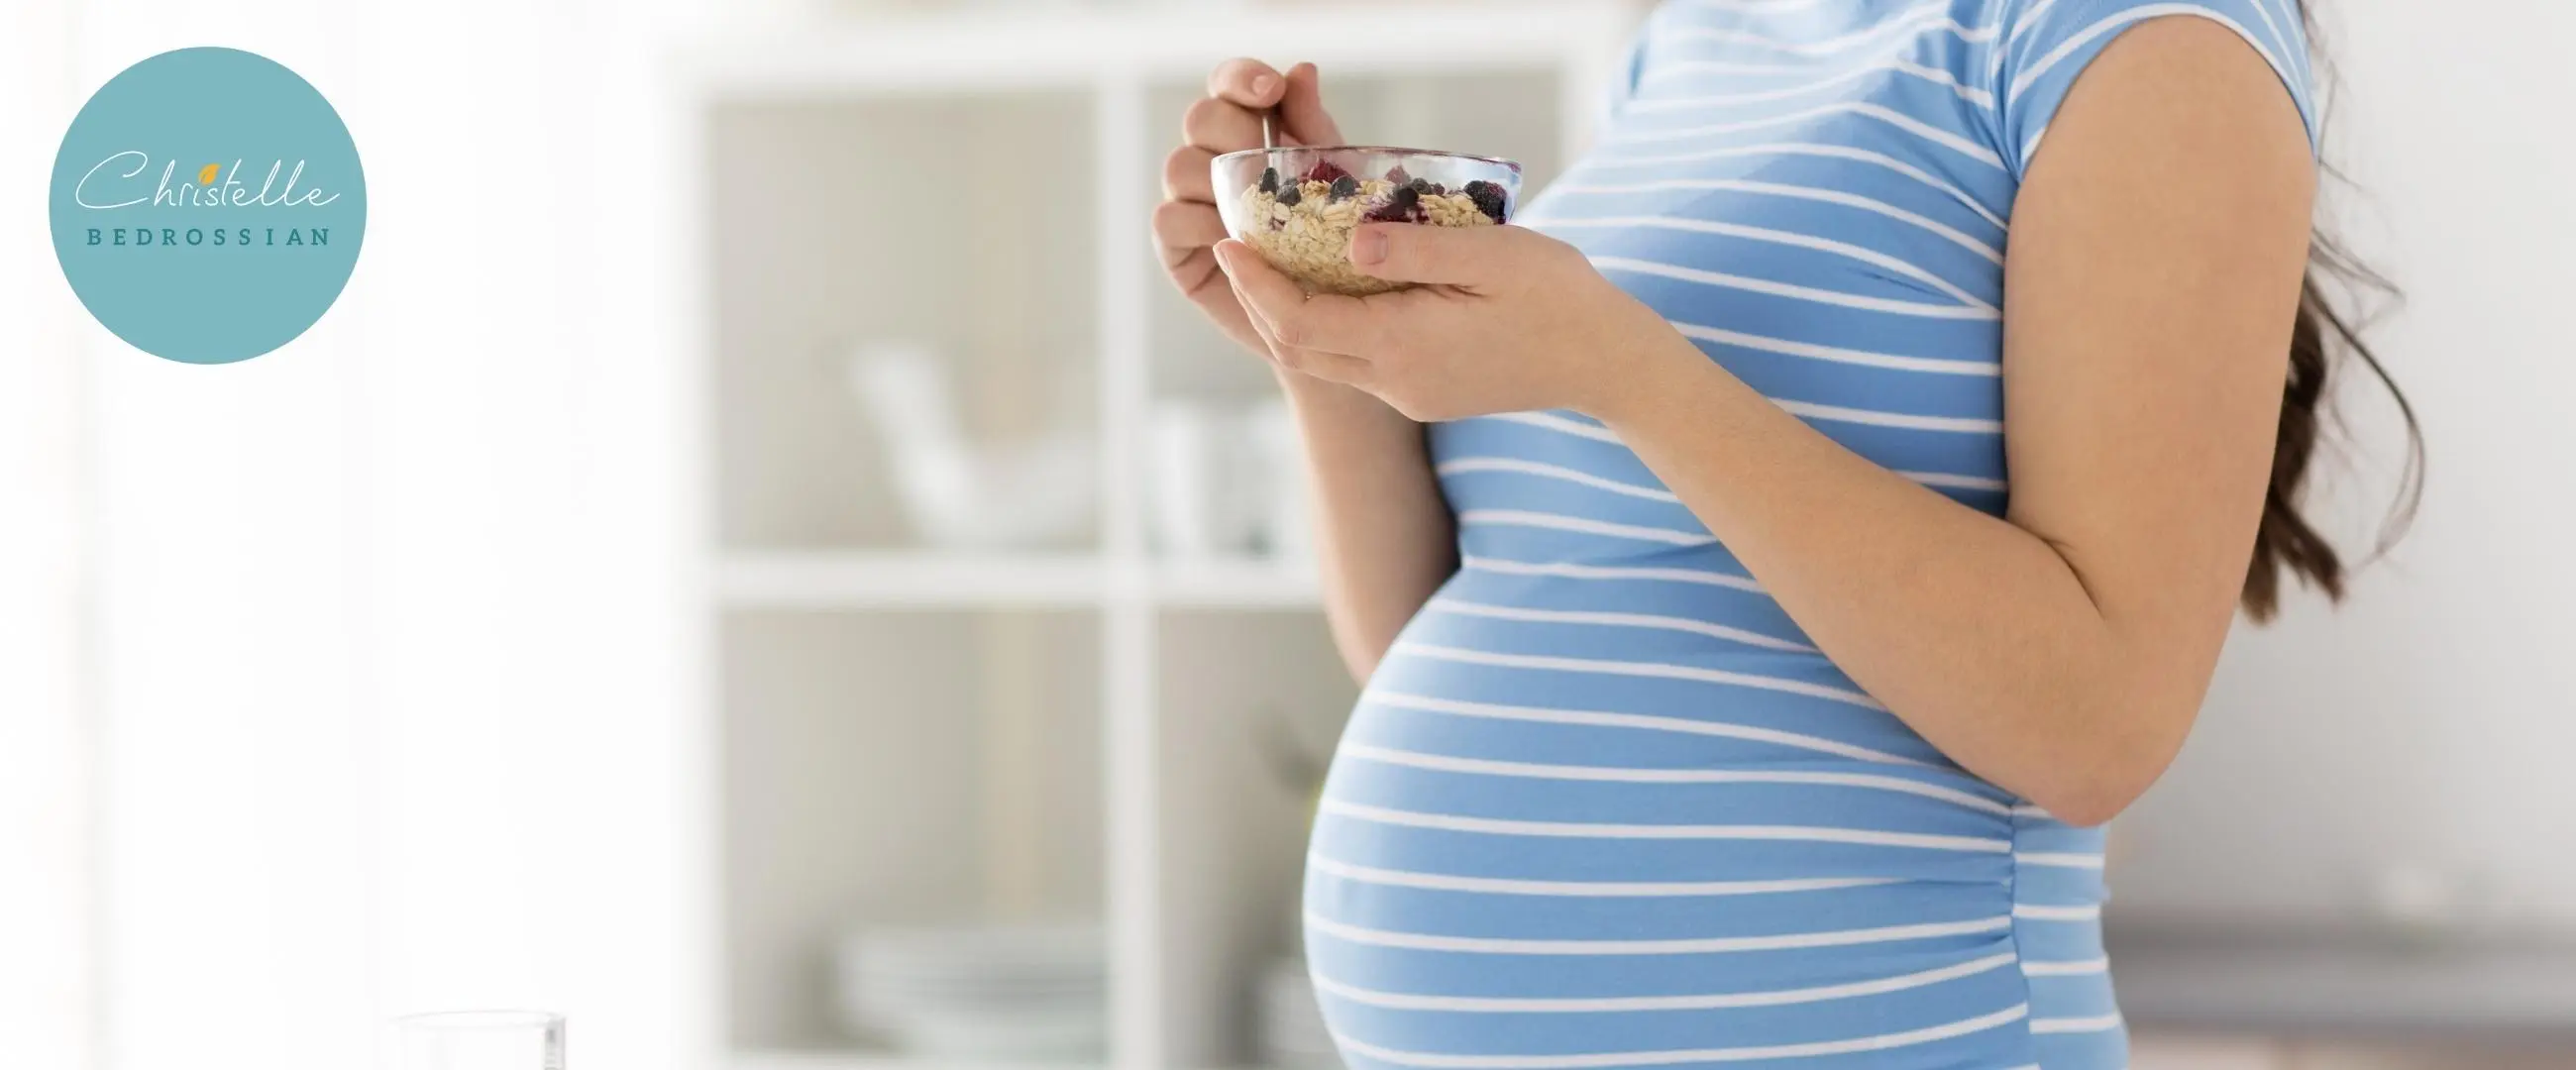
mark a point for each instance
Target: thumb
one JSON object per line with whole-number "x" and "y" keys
{"x": 1453, "y": 256}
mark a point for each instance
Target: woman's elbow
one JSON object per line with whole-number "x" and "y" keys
{"x": 2104, "y": 775}
{"x": 2085, "y": 805}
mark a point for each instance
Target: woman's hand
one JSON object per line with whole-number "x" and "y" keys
{"x": 1511, "y": 321}
{"x": 1228, "y": 119}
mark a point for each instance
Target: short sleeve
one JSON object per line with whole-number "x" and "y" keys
{"x": 2047, "y": 44}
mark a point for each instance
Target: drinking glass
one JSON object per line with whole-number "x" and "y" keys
{"x": 479, "y": 1040}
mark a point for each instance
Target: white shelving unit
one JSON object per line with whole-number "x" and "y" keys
{"x": 916, "y": 735}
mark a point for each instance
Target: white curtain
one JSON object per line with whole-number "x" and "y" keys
{"x": 362, "y": 678}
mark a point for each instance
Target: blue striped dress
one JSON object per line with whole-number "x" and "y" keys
{"x": 1604, "y": 804}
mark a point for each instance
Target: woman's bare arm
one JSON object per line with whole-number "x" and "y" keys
{"x": 1383, "y": 533}
{"x": 2062, "y": 651}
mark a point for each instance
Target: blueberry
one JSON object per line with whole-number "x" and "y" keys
{"x": 1290, "y": 196}
{"x": 1419, "y": 186}
{"x": 1269, "y": 180}
{"x": 1344, "y": 187}
{"x": 1488, "y": 198}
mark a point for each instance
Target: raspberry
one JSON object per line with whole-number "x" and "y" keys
{"x": 1326, "y": 171}
{"x": 1397, "y": 176}
{"x": 1488, "y": 198}
{"x": 1345, "y": 186}
{"x": 1269, "y": 180}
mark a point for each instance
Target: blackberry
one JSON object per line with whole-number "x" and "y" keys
{"x": 1345, "y": 186}
{"x": 1488, "y": 198}
{"x": 1269, "y": 180}
{"x": 1404, "y": 206}
{"x": 1290, "y": 196}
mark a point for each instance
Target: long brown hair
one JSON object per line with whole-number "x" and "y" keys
{"x": 2287, "y": 543}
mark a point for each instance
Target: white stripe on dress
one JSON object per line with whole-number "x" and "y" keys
{"x": 1922, "y": 20}
{"x": 1554, "y": 422}
{"x": 1588, "y": 830}
{"x": 1624, "y": 1004}
{"x": 1443, "y": 882}
{"x": 1642, "y": 721}
{"x": 1963, "y": 424}
{"x": 1573, "y": 571}
{"x": 1934, "y": 365}
{"x": 1525, "y": 518}
{"x": 2061, "y": 860}
{"x": 1553, "y": 218}
{"x": 1713, "y": 945}
{"x": 1846, "y": 250}
{"x": 1633, "y": 775}
{"x": 1838, "y": 152}
{"x": 1979, "y": 312}
{"x": 1640, "y": 668}
{"x": 1880, "y": 1042}
{"x": 2100, "y": 1023}
{"x": 2028, "y": 912}
{"x": 1615, "y": 620}
{"x": 1679, "y": 68}
{"x": 1887, "y": 116}
{"x": 1582, "y": 891}
{"x": 1552, "y": 471}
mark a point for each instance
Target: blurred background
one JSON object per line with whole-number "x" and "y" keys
{"x": 759, "y": 561}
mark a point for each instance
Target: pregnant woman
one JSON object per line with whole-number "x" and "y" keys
{"x": 1772, "y": 560}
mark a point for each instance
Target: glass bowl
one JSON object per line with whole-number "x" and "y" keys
{"x": 1297, "y": 206}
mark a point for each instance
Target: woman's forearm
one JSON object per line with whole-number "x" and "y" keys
{"x": 1384, "y": 537}
{"x": 1975, "y": 632}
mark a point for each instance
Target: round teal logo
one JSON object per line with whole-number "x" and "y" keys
{"x": 208, "y": 205}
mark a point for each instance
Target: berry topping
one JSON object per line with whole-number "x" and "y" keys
{"x": 1345, "y": 186}
{"x": 1326, "y": 171}
{"x": 1397, "y": 176}
{"x": 1488, "y": 198}
{"x": 1404, "y": 206}
{"x": 1290, "y": 196}
{"x": 1269, "y": 180}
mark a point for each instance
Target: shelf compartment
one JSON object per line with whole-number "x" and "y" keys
{"x": 961, "y": 226}
{"x": 919, "y": 768}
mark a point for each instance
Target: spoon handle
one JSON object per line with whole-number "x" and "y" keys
{"x": 1270, "y": 127}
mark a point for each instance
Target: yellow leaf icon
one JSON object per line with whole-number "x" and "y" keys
{"x": 207, "y": 176}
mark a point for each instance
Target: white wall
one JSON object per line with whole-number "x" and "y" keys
{"x": 392, "y": 707}
{"x": 2431, "y": 721}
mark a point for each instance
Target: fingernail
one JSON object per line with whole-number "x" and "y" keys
{"x": 1368, "y": 247}
{"x": 1262, "y": 86}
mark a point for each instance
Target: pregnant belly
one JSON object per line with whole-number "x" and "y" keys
{"x": 1557, "y": 834}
